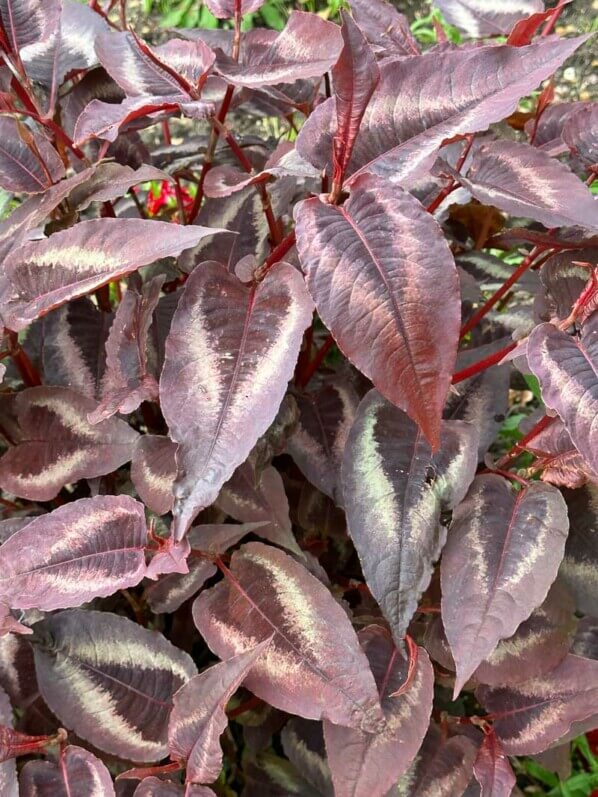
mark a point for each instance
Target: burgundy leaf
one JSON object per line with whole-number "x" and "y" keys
{"x": 29, "y": 21}
{"x": 59, "y": 445}
{"x": 424, "y": 100}
{"x": 499, "y": 175}
{"x": 443, "y": 768}
{"x": 365, "y": 764}
{"x": 561, "y": 462}
{"x": 394, "y": 489}
{"x": 170, "y": 557}
{"x": 563, "y": 279}
{"x": 385, "y": 284}
{"x": 585, "y": 643}
{"x": 579, "y": 568}
{"x": 110, "y": 680}
{"x": 307, "y": 47}
{"x": 384, "y": 27}
{"x": 355, "y": 76}
{"x": 28, "y": 162}
{"x": 139, "y": 71}
{"x": 502, "y": 554}
{"x": 548, "y": 134}
{"x": 127, "y": 381}
{"x": 8, "y": 770}
{"x": 480, "y": 18}
{"x": 314, "y": 666}
{"x": 74, "y": 339}
{"x": 153, "y": 471}
{"x": 253, "y": 498}
{"x": 318, "y": 443}
{"x": 537, "y": 646}
{"x": 225, "y": 9}
{"x": 171, "y": 591}
{"x": 86, "y": 549}
{"x": 70, "y": 46}
{"x": 198, "y": 718}
{"x": 492, "y": 769}
{"x": 303, "y": 744}
{"x": 532, "y": 716}
{"x": 78, "y": 772}
{"x": 567, "y": 369}
{"x": 104, "y": 120}
{"x": 110, "y": 181}
{"x": 155, "y": 787}
{"x": 226, "y": 343}
{"x": 45, "y": 274}
{"x": 580, "y": 133}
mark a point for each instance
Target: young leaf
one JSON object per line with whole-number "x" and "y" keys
{"x": 424, "y": 100}
{"x": 480, "y": 18}
{"x": 253, "y": 497}
{"x": 561, "y": 462}
{"x": 45, "y": 274}
{"x": 314, "y": 666}
{"x": 78, "y": 772}
{"x": 153, "y": 471}
{"x": 532, "y": 716}
{"x": 567, "y": 369}
{"x": 28, "y": 162}
{"x": 110, "y": 680}
{"x": 307, "y": 47}
{"x": 384, "y": 282}
{"x": 502, "y": 554}
{"x": 83, "y": 550}
{"x": 58, "y": 445}
{"x": 355, "y": 76}
{"x": 8, "y": 770}
{"x": 198, "y": 718}
{"x": 127, "y": 381}
{"x": 318, "y": 443}
{"x": 394, "y": 489}
{"x": 303, "y": 744}
{"x": 232, "y": 367}
{"x": 384, "y": 27}
{"x": 579, "y": 133}
{"x": 492, "y": 769}
{"x": 365, "y": 764}
{"x": 499, "y": 175}
{"x": 173, "y": 589}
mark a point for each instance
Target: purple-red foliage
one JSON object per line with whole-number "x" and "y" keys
{"x": 264, "y": 530}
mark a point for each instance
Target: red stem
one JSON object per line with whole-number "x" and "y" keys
{"x": 550, "y": 25}
{"x": 276, "y": 255}
{"x": 482, "y": 365}
{"x": 497, "y": 296}
{"x": 28, "y": 371}
{"x": 316, "y": 362}
{"x": 520, "y": 446}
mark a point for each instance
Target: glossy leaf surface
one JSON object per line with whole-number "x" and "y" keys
{"x": 58, "y": 445}
{"x": 28, "y": 162}
{"x": 480, "y": 18}
{"x": 394, "y": 490}
{"x": 380, "y": 272}
{"x": 314, "y": 666}
{"x": 86, "y": 549}
{"x": 45, "y": 274}
{"x": 78, "y": 772}
{"x": 225, "y": 344}
{"x": 502, "y": 554}
{"x": 110, "y": 681}
{"x": 364, "y": 764}
{"x": 567, "y": 369}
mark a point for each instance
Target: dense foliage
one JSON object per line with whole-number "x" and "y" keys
{"x": 274, "y": 306}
